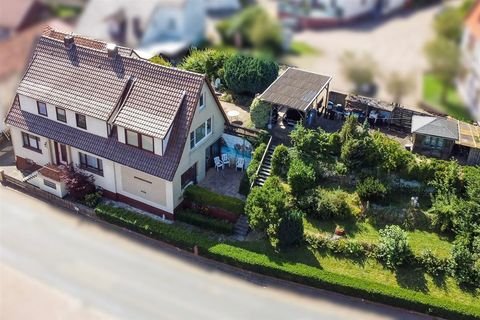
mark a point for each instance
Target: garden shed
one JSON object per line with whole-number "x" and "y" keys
{"x": 298, "y": 92}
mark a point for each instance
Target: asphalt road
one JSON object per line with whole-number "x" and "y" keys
{"x": 55, "y": 265}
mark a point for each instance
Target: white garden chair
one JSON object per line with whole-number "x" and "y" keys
{"x": 240, "y": 163}
{"x": 218, "y": 163}
{"x": 225, "y": 159}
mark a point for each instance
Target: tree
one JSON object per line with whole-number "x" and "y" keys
{"x": 466, "y": 261}
{"x": 248, "y": 74}
{"x": 210, "y": 62}
{"x": 301, "y": 177}
{"x": 359, "y": 70}
{"x": 392, "y": 155}
{"x": 161, "y": 61}
{"x": 350, "y": 129}
{"x": 393, "y": 248}
{"x": 290, "y": 229}
{"x": 444, "y": 58}
{"x": 399, "y": 85}
{"x": 252, "y": 28}
{"x": 371, "y": 189}
{"x": 260, "y": 113}
{"x": 310, "y": 145}
{"x": 280, "y": 161}
{"x": 449, "y": 24}
{"x": 78, "y": 183}
{"x": 359, "y": 154}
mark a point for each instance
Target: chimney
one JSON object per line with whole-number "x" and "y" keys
{"x": 112, "y": 50}
{"x": 68, "y": 41}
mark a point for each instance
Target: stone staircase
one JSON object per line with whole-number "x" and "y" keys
{"x": 265, "y": 167}
{"x": 240, "y": 230}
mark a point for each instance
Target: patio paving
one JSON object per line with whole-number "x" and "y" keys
{"x": 224, "y": 182}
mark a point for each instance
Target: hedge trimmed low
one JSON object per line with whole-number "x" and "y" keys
{"x": 206, "y": 197}
{"x": 206, "y": 222}
{"x": 245, "y": 255}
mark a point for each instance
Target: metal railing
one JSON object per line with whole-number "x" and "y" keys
{"x": 261, "y": 162}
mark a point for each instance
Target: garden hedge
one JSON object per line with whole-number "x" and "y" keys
{"x": 206, "y": 222}
{"x": 247, "y": 256}
{"x": 206, "y": 197}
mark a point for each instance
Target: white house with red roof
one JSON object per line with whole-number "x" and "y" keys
{"x": 144, "y": 131}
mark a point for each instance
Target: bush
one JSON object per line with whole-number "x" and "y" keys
{"x": 344, "y": 247}
{"x": 260, "y": 113}
{"x": 93, "y": 199}
{"x": 249, "y": 257}
{"x": 161, "y": 61}
{"x": 465, "y": 263}
{"x": 359, "y": 154}
{"x": 249, "y": 75}
{"x": 371, "y": 189}
{"x": 256, "y": 29}
{"x": 210, "y": 62}
{"x": 78, "y": 183}
{"x": 280, "y": 161}
{"x": 255, "y": 163}
{"x": 332, "y": 205}
{"x": 206, "y": 197}
{"x": 393, "y": 248}
{"x": 202, "y": 221}
{"x": 432, "y": 265}
{"x": 290, "y": 230}
{"x": 301, "y": 177}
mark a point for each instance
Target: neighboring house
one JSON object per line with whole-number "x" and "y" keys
{"x": 143, "y": 130}
{"x": 322, "y": 13}
{"x": 14, "y": 55}
{"x": 167, "y": 27}
{"x": 16, "y": 15}
{"x": 434, "y": 136}
{"x": 469, "y": 84}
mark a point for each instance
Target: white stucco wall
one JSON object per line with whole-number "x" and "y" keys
{"x": 94, "y": 125}
{"x": 60, "y": 190}
{"x": 469, "y": 84}
{"x": 197, "y": 155}
{"x": 40, "y": 158}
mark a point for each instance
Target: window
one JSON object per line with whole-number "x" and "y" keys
{"x": 202, "y": 132}
{"x": 132, "y": 138}
{"x": 49, "y": 184}
{"x": 201, "y": 101}
{"x": 31, "y": 142}
{"x": 138, "y": 140}
{"x": 61, "y": 115}
{"x": 433, "y": 142}
{"x": 81, "y": 121}
{"x": 91, "y": 163}
{"x": 189, "y": 176}
{"x": 42, "y": 108}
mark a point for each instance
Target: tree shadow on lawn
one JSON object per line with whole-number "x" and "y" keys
{"x": 412, "y": 278}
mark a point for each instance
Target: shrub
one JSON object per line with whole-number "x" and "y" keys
{"x": 255, "y": 28}
{"x": 344, "y": 247}
{"x": 332, "y": 205}
{"x": 301, "y": 177}
{"x": 371, "y": 189}
{"x": 93, "y": 199}
{"x": 260, "y": 113}
{"x": 432, "y": 264}
{"x": 78, "y": 183}
{"x": 359, "y": 154}
{"x": 280, "y": 161}
{"x": 161, "y": 61}
{"x": 210, "y": 62}
{"x": 465, "y": 263}
{"x": 206, "y": 197}
{"x": 202, "y": 221}
{"x": 248, "y": 74}
{"x": 335, "y": 144}
{"x": 393, "y": 248}
{"x": 255, "y": 163}
{"x": 290, "y": 229}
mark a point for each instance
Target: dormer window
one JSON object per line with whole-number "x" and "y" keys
{"x": 61, "y": 115}
{"x": 42, "y": 108}
{"x": 138, "y": 140}
{"x": 201, "y": 101}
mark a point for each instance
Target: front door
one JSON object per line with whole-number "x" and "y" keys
{"x": 61, "y": 153}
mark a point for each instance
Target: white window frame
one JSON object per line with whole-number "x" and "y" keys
{"x": 201, "y": 101}
{"x": 193, "y": 134}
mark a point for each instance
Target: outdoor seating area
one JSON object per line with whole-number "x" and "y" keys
{"x": 225, "y": 161}
{"x": 225, "y": 181}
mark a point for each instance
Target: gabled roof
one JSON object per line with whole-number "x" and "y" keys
{"x": 295, "y": 89}
{"x": 16, "y": 14}
{"x": 433, "y": 126}
{"x": 158, "y": 99}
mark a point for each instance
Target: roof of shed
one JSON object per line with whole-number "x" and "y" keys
{"x": 295, "y": 89}
{"x": 434, "y": 126}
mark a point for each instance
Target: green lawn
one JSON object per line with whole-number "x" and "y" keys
{"x": 453, "y": 106}
{"x": 366, "y": 232}
{"x": 302, "y": 49}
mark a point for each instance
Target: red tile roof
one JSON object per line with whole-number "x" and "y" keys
{"x": 473, "y": 21}
{"x": 52, "y": 172}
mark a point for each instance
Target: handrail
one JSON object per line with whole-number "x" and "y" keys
{"x": 261, "y": 161}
